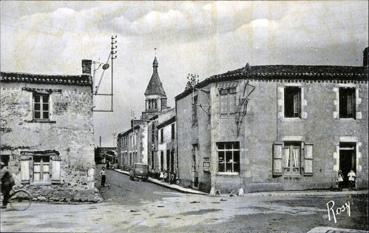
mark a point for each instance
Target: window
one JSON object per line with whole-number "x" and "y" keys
{"x": 153, "y": 133}
{"x": 194, "y": 111}
{"x": 292, "y": 158}
{"x": 4, "y": 159}
{"x": 292, "y": 102}
{"x": 227, "y": 101}
{"x": 40, "y": 106}
{"x": 228, "y": 156}
{"x": 173, "y": 131}
{"x": 41, "y": 169}
{"x": 347, "y": 102}
{"x": 161, "y": 136}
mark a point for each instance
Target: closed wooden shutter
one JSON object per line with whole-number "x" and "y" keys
{"x": 25, "y": 165}
{"x": 308, "y": 159}
{"x": 55, "y": 171}
{"x": 277, "y": 159}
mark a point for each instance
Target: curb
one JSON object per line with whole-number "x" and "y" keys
{"x": 331, "y": 229}
{"x": 258, "y": 194}
{"x": 171, "y": 186}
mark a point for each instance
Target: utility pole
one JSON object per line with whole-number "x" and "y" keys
{"x": 112, "y": 57}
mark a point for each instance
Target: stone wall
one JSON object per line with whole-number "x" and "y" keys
{"x": 69, "y": 133}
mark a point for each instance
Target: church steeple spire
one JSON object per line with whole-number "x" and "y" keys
{"x": 155, "y": 87}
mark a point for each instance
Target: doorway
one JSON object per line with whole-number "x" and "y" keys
{"x": 347, "y": 160}
{"x": 195, "y": 174}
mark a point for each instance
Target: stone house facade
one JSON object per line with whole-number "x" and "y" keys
{"x": 47, "y": 134}
{"x": 166, "y": 159}
{"x": 276, "y": 127}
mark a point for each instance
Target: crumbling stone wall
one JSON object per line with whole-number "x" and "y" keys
{"x": 69, "y": 132}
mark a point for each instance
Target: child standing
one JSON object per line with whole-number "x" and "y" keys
{"x": 103, "y": 177}
{"x": 351, "y": 177}
{"x": 340, "y": 180}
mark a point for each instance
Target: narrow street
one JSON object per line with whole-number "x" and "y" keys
{"x": 133, "y": 206}
{"x": 120, "y": 189}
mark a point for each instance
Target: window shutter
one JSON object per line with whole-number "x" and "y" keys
{"x": 308, "y": 160}
{"x": 223, "y": 104}
{"x": 232, "y": 103}
{"x": 25, "y": 165}
{"x": 277, "y": 159}
{"x": 55, "y": 171}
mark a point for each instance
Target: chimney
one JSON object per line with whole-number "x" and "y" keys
{"x": 86, "y": 66}
{"x": 366, "y": 57}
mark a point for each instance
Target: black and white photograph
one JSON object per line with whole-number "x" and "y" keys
{"x": 184, "y": 116}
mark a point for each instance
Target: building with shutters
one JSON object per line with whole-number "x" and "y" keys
{"x": 47, "y": 135}
{"x": 274, "y": 127}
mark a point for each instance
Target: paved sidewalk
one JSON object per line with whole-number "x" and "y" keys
{"x": 335, "y": 230}
{"x": 263, "y": 194}
{"x": 171, "y": 186}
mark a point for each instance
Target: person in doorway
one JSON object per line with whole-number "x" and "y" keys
{"x": 7, "y": 183}
{"x": 351, "y": 178}
{"x": 340, "y": 180}
{"x": 103, "y": 177}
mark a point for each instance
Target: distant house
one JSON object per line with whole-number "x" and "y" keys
{"x": 276, "y": 127}
{"x": 167, "y": 153}
{"x": 47, "y": 135}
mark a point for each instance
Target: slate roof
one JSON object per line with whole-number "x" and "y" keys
{"x": 288, "y": 72}
{"x": 77, "y": 80}
{"x": 155, "y": 87}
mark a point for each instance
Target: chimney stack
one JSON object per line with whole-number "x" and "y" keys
{"x": 86, "y": 66}
{"x": 366, "y": 57}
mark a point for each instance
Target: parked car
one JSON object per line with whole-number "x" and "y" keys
{"x": 140, "y": 171}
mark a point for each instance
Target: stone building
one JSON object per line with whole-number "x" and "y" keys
{"x": 166, "y": 159}
{"x": 47, "y": 134}
{"x": 138, "y": 144}
{"x": 274, "y": 127}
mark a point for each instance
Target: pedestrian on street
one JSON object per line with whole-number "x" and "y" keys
{"x": 351, "y": 177}
{"x": 340, "y": 180}
{"x": 7, "y": 183}
{"x": 103, "y": 177}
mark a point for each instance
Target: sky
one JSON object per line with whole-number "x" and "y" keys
{"x": 204, "y": 38}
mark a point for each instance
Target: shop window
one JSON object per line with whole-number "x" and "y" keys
{"x": 292, "y": 158}
{"x": 347, "y": 102}
{"x": 40, "y": 106}
{"x": 292, "y": 102}
{"x": 227, "y": 101}
{"x": 228, "y": 157}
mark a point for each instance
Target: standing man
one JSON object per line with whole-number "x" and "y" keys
{"x": 7, "y": 183}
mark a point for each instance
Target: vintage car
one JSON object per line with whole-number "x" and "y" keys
{"x": 139, "y": 171}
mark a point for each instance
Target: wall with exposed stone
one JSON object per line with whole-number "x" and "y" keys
{"x": 69, "y": 132}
